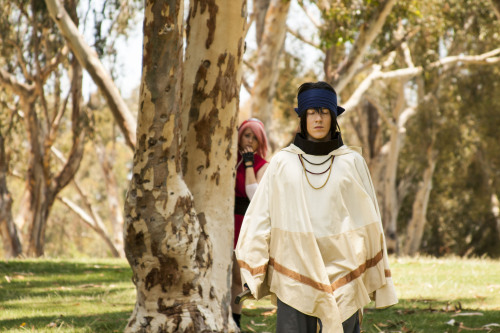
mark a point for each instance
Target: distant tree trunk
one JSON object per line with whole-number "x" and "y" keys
{"x": 113, "y": 198}
{"x": 178, "y": 239}
{"x": 415, "y": 229}
{"x": 495, "y": 209}
{"x": 43, "y": 186}
{"x": 268, "y": 56}
{"x": 11, "y": 243}
{"x": 89, "y": 60}
{"x": 260, "y": 10}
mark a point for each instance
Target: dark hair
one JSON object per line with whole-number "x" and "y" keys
{"x": 303, "y": 120}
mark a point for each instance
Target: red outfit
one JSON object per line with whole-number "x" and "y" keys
{"x": 240, "y": 189}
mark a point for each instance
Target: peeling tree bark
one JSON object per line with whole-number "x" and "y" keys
{"x": 172, "y": 224}
{"x": 212, "y": 78}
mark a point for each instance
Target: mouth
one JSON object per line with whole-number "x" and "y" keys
{"x": 318, "y": 127}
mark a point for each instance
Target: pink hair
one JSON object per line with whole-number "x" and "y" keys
{"x": 257, "y": 128}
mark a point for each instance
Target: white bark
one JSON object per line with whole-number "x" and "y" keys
{"x": 416, "y": 226}
{"x": 211, "y": 97}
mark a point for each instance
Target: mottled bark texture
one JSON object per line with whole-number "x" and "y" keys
{"x": 211, "y": 90}
{"x": 178, "y": 210}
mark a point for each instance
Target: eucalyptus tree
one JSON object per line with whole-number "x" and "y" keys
{"x": 178, "y": 209}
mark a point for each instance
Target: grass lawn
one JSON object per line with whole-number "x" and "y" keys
{"x": 436, "y": 295}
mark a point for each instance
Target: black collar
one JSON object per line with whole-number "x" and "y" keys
{"x": 318, "y": 148}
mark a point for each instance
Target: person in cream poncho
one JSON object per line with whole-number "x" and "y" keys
{"x": 312, "y": 236}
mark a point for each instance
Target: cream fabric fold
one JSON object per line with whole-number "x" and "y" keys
{"x": 320, "y": 251}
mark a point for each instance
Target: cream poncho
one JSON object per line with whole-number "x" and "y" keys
{"x": 320, "y": 251}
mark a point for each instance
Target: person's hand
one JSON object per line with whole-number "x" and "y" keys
{"x": 247, "y": 155}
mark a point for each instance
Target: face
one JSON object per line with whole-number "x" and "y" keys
{"x": 318, "y": 124}
{"x": 248, "y": 139}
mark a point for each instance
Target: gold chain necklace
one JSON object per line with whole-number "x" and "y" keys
{"x": 306, "y": 171}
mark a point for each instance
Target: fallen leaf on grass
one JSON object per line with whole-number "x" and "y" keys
{"x": 51, "y": 325}
{"x": 462, "y": 327}
{"x": 487, "y": 326}
{"x": 466, "y": 314}
{"x": 8, "y": 278}
{"x": 22, "y": 325}
{"x": 269, "y": 313}
{"x": 251, "y": 329}
{"x": 257, "y": 324}
{"x": 91, "y": 285}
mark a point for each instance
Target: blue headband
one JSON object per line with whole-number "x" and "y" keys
{"x": 318, "y": 98}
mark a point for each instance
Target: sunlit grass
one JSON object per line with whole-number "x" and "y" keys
{"x": 97, "y": 295}
{"x": 65, "y": 295}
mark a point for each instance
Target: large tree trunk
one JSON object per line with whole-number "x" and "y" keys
{"x": 416, "y": 226}
{"x": 211, "y": 87}
{"x": 169, "y": 245}
{"x": 8, "y": 231}
{"x": 268, "y": 55}
{"x": 89, "y": 60}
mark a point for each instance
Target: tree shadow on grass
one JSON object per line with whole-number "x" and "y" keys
{"x": 106, "y": 322}
{"x": 61, "y": 279}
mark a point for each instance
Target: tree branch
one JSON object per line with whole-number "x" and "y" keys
{"x": 22, "y": 89}
{"x": 308, "y": 14}
{"x": 302, "y": 38}
{"x": 346, "y": 71}
{"x": 89, "y": 60}
{"x": 407, "y": 73}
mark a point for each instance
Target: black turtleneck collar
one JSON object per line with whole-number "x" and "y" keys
{"x": 318, "y": 147}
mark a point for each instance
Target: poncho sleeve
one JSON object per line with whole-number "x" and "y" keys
{"x": 252, "y": 250}
{"x": 386, "y": 295}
